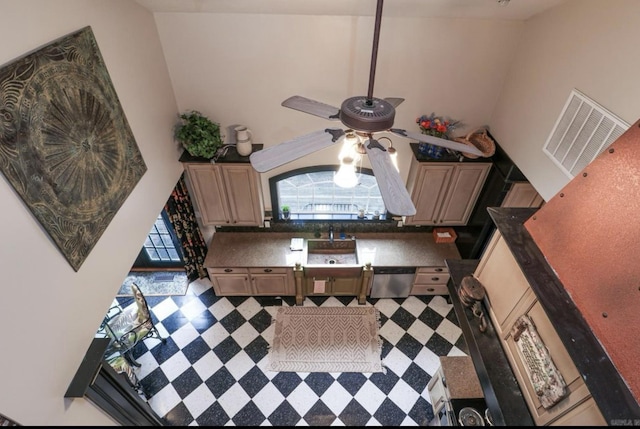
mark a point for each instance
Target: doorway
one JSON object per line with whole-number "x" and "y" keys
{"x": 162, "y": 250}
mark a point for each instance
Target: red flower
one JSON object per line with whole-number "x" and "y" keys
{"x": 425, "y": 124}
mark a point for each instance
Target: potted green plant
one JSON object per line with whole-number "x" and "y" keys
{"x": 285, "y": 212}
{"x": 199, "y": 135}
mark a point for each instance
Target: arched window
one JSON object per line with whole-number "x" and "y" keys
{"x": 311, "y": 194}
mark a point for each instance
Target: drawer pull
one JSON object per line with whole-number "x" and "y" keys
{"x": 435, "y": 279}
{"x": 430, "y": 289}
{"x": 228, "y": 270}
{"x": 267, "y": 270}
{"x": 439, "y": 270}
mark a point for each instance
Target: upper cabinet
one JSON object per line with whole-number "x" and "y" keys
{"x": 226, "y": 193}
{"x": 445, "y": 193}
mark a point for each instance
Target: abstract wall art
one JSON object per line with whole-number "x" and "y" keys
{"x": 66, "y": 146}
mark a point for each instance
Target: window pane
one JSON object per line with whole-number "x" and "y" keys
{"x": 312, "y": 194}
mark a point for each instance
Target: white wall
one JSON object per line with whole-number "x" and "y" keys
{"x": 238, "y": 68}
{"x": 590, "y": 45}
{"x": 50, "y": 312}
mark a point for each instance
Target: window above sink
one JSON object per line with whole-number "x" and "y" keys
{"x": 311, "y": 194}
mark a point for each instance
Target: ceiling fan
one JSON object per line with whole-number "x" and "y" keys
{"x": 363, "y": 116}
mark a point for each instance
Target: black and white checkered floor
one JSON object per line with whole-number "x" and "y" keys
{"x": 210, "y": 372}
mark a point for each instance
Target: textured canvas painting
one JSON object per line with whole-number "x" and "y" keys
{"x": 65, "y": 144}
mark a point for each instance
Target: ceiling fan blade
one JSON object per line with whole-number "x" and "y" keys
{"x": 394, "y": 193}
{"x": 275, "y": 156}
{"x": 460, "y": 147}
{"x": 312, "y": 107}
{"x": 394, "y": 101}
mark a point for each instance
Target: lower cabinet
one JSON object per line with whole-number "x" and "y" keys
{"x": 277, "y": 281}
{"x": 431, "y": 281}
{"x": 333, "y": 286}
{"x": 510, "y": 297}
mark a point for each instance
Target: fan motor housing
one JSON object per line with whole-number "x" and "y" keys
{"x": 368, "y": 115}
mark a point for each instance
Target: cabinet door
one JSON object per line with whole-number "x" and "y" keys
{"x": 429, "y": 192}
{"x": 324, "y": 286}
{"x": 272, "y": 281}
{"x": 244, "y": 194}
{"x": 437, "y": 390}
{"x": 578, "y": 391}
{"x": 465, "y": 186}
{"x": 345, "y": 286}
{"x": 230, "y": 281}
{"x": 522, "y": 194}
{"x": 505, "y": 284}
{"x": 208, "y": 186}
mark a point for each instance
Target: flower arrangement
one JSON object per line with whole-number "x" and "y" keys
{"x": 437, "y": 126}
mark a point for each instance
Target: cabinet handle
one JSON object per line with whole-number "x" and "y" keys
{"x": 245, "y": 279}
{"x": 228, "y": 270}
{"x": 435, "y": 279}
{"x": 267, "y": 270}
{"x": 430, "y": 289}
{"x": 438, "y": 269}
{"x": 235, "y": 221}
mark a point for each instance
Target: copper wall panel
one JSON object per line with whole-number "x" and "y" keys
{"x": 590, "y": 235}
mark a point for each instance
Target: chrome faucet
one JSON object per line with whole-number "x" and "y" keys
{"x": 331, "y": 234}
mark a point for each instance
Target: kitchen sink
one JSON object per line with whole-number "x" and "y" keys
{"x": 327, "y": 252}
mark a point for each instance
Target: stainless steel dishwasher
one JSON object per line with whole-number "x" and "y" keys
{"x": 392, "y": 282}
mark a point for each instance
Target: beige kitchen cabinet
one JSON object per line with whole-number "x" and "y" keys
{"x": 445, "y": 193}
{"x": 230, "y": 281}
{"x": 272, "y": 281}
{"x": 339, "y": 286}
{"x": 509, "y": 296}
{"x": 522, "y": 194}
{"x": 430, "y": 281}
{"x": 438, "y": 392}
{"x": 252, "y": 281}
{"x": 227, "y": 193}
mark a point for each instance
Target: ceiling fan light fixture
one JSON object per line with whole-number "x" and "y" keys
{"x": 349, "y": 149}
{"x": 346, "y": 176}
{"x": 393, "y": 154}
{"x": 367, "y": 114}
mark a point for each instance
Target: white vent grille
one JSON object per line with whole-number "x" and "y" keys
{"x": 583, "y": 130}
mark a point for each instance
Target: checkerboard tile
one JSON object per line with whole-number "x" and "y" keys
{"x": 211, "y": 371}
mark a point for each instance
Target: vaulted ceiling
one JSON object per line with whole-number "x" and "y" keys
{"x": 494, "y": 9}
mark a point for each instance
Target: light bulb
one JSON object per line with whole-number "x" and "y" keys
{"x": 346, "y": 175}
{"x": 393, "y": 154}
{"x": 350, "y": 148}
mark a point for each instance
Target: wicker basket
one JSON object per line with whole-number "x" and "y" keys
{"x": 479, "y": 139}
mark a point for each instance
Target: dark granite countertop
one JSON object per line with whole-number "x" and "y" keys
{"x": 231, "y": 155}
{"x": 502, "y": 393}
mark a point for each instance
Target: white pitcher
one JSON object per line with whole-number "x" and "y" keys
{"x": 243, "y": 140}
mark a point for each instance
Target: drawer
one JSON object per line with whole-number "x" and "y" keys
{"x": 228, "y": 270}
{"x": 269, "y": 270}
{"x": 432, "y": 270}
{"x": 420, "y": 289}
{"x": 431, "y": 278}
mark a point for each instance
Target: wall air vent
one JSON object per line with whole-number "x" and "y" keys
{"x": 583, "y": 130}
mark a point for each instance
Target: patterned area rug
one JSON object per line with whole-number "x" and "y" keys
{"x": 326, "y": 339}
{"x": 156, "y": 283}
